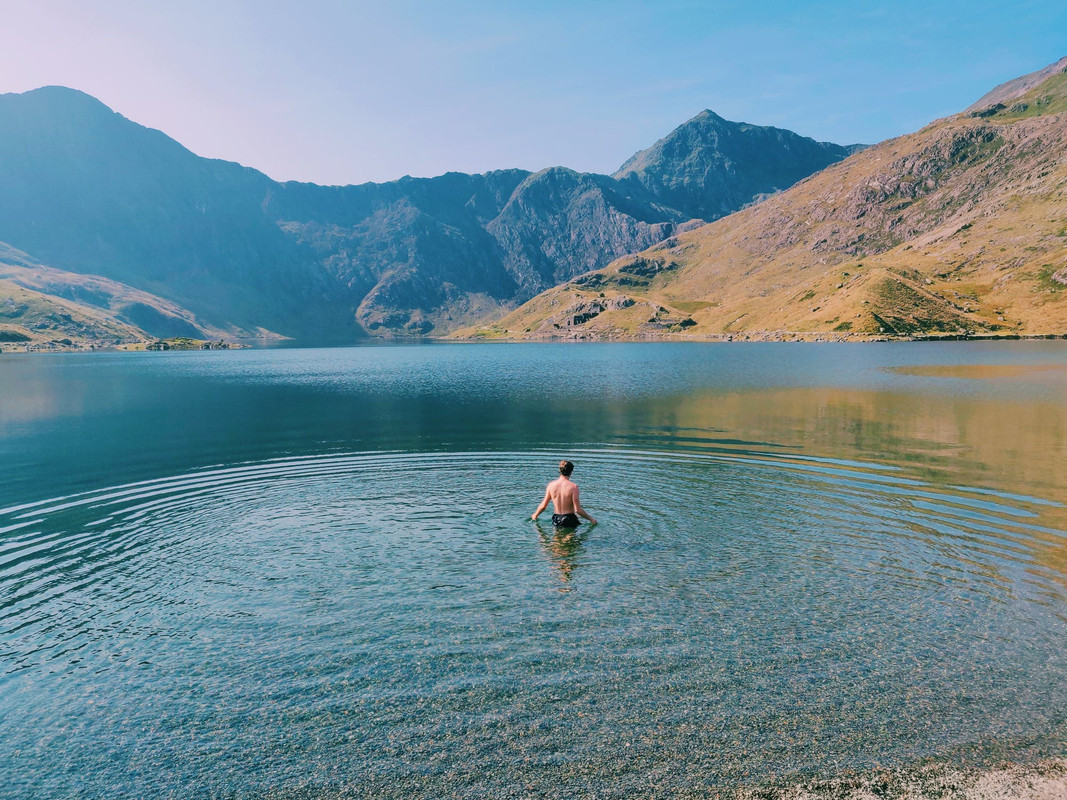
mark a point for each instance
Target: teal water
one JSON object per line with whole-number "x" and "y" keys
{"x": 311, "y": 573}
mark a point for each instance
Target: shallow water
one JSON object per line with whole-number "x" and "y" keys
{"x": 310, "y": 571}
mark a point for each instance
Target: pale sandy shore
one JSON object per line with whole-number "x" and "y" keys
{"x": 1046, "y": 780}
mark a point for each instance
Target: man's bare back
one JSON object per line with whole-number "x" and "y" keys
{"x": 564, "y": 496}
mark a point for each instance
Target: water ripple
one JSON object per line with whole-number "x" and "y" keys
{"x": 385, "y": 609}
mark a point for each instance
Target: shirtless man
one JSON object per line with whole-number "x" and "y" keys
{"x": 563, "y": 493}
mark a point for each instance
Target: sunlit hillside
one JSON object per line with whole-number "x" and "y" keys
{"x": 960, "y": 228}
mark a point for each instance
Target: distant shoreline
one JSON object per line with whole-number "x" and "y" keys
{"x": 782, "y": 337}
{"x": 762, "y": 336}
{"x": 67, "y": 345}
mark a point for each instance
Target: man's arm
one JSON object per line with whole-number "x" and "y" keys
{"x": 579, "y": 509}
{"x": 544, "y": 504}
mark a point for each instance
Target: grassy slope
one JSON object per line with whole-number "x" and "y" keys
{"x": 1050, "y": 97}
{"x": 961, "y": 226}
{"x": 28, "y": 317}
{"x": 40, "y": 305}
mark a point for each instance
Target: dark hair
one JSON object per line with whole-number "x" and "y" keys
{"x": 566, "y": 468}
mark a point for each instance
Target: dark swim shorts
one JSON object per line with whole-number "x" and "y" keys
{"x": 565, "y": 520}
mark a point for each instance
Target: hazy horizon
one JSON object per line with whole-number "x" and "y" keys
{"x": 349, "y": 93}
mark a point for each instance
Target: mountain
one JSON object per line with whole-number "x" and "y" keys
{"x": 960, "y": 227}
{"x": 425, "y": 255}
{"x": 403, "y": 256}
{"x": 88, "y": 192}
{"x": 709, "y": 167}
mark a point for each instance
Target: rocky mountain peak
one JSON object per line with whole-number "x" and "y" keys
{"x": 709, "y": 166}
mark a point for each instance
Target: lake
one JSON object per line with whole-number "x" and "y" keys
{"x": 312, "y": 573}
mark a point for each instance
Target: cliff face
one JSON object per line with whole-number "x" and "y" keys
{"x": 410, "y": 256}
{"x": 559, "y": 223}
{"x": 958, "y": 228}
{"x": 88, "y": 192}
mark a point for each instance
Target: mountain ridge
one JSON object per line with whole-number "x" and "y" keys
{"x": 89, "y": 192}
{"x": 1009, "y": 90}
{"x": 959, "y": 229}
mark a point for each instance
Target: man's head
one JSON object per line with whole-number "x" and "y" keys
{"x": 566, "y": 468}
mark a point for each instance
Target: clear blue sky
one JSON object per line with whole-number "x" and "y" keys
{"x": 346, "y": 92}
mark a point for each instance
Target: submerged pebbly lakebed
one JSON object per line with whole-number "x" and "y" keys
{"x": 821, "y": 569}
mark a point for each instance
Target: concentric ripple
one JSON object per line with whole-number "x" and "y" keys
{"x": 392, "y": 624}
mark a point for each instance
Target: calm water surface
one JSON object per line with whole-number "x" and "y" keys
{"x": 310, "y": 572}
